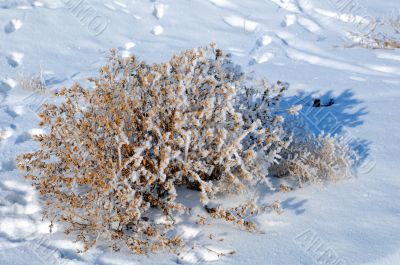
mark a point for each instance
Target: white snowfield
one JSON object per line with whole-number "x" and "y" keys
{"x": 303, "y": 42}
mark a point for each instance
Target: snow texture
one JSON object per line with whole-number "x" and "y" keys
{"x": 355, "y": 221}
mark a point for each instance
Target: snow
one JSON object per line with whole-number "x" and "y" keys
{"x": 159, "y": 10}
{"x": 157, "y": 30}
{"x": 239, "y": 22}
{"x": 303, "y": 42}
{"x": 13, "y": 25}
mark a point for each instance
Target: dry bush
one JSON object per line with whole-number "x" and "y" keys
{"x": 114, "y": 154}
{"x": 260, "y": 104}
{"x": 240, "y": 215}
{"x": 32, "y": 82}
{"x": 374, "y": 41}
{"x": 384, "y": 35}
{"x": 315, "y": 159}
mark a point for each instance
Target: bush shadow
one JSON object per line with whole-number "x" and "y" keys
{"x": 334, "y": 116}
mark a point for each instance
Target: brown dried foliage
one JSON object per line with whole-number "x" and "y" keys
{"x": 316, "y": 159}
{"x": 114, "y": 154}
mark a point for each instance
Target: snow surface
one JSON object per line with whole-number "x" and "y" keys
{"x": 356, "y": 221}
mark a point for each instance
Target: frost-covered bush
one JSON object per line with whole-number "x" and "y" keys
{"x": 384, "y": 34}
{"x": 374, "y": 41}
{"x": 315, "y": 159}
{"x": 32, "y": 83}
{"x": 260, "y": 103}
{"x": 114, "y": 154}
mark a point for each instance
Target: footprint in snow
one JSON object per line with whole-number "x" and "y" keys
{"x": 260, "y": 54}
{"x": 157, "y": 30}
{"x": 290, "y": 19}
{"x": 15, "y": 59}
{"x": 13, "y": 25}
{"x": 265, "y": 40}
{"x": 129, "y": 45}
{"x": 125, "y": 50}
{"x": 261, "y": 57}
{"x": 159, "y": 10}
{"x": 5, "y": 86}
{"x": 15, "y": 111}
{"x": 222, "y": 3}
{"x": 242, "y": 23}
